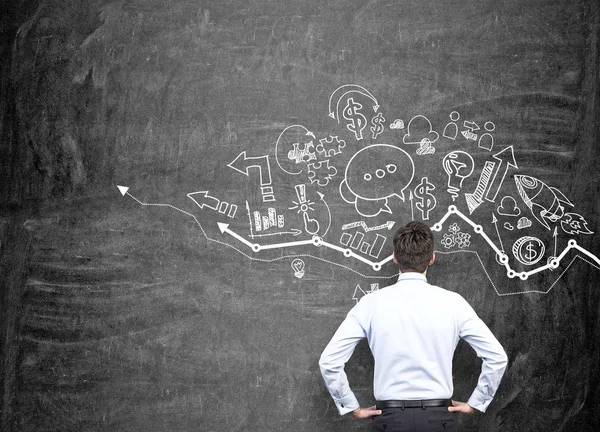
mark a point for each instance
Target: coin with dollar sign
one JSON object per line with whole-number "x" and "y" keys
{"x": 528, "y": 250}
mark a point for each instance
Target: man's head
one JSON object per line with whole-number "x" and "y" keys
{"x": 413, "y": 247}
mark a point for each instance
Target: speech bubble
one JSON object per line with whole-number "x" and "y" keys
{"x": 379, "y": 171}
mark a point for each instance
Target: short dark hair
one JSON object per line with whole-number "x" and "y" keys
{"x": 413, "y": 246}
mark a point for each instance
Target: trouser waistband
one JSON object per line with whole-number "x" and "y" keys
{"x": 414, "y": 403}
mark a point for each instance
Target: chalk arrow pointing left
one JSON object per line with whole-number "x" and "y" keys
{"x": 225, "y": 229}
{"x": 243, "y": 163}
{"x": 123, "y": 189}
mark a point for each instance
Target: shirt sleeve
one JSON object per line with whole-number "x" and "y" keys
{"x": 335, "y": 356}
{"x": 474, "y": 331}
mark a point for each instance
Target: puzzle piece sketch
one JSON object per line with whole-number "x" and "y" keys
{"x": 304, "y": 155}
{"x": 321, "y": 172}
{"x": 330, "y": 146}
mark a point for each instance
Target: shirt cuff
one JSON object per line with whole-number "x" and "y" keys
{"x": 479, "y": 401}
{"x": 347, "y": 404}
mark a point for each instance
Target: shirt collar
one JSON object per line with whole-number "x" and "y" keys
{"x": 412, "y": 276}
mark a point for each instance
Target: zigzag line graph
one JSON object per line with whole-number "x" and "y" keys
{"x": 317, "y": 241}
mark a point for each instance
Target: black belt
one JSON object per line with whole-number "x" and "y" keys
{"x": 414, "y": 403}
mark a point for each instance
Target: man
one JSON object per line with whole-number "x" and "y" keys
{"x": 412, "y": 328}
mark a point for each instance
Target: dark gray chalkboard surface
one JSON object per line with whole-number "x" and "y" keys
{"x": 195, "y": 193}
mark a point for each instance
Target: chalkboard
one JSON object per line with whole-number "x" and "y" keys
{"x": 196, "y": 193}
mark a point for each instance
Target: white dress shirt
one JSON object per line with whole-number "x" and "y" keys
{"x": 412, "y": 328}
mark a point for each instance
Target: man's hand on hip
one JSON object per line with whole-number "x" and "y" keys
{"x": 365, "y": 413}
{"x": 461, "y": 407}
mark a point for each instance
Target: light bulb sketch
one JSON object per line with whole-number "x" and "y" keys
{"x": 458, "y": 165}
{"x": 298, "y": 267}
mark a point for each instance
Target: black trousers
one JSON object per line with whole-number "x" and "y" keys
{"x": 430, "y": 419}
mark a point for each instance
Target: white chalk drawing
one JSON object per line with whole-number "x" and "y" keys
{"x": 524, "y": 222}
{"x": 580, "y": 252}
{"x": 388, "y": 225}
{"x": 359, "y": 293}
{"x": 303, "y": 206}
{"x": 456, "y": 237}
{"x": 508, "y": 207}
{"x": 458, "y": 165}
{"x": 377, "y": 128}
{"x": 203, "y": 199}
{"x": 358, "y": 242}
{"x": 425, "y": 201}
{"x": 298, "y": 266}
{"x": 288, "y": 151}
{"x": 339, "y": 94}
{"x": 573, "y": 223}
{"x": 419, "y": 127}
{"x": 547, "y": 204}
{"x": 451, "y": 129}
{"x": 425, "y": 148}
{"x": 397, "y": 124}
{"x": 491, "y": 179}
{"x": 486, "y": 140}
{"x": 373, "y": 175}
{"x": 330, "y": 146}
{"x": 321, "y": 172}
{"x": 356, "y": 120}
{"x": 495, "y": 223}
{"x": 260, "y": 223}
{"x": 528, "y": 250}
{"x": 244, "y": 164}
{"x": 471, "y": 128}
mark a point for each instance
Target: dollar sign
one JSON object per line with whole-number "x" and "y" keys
{"x": 425, "y": 200}
{"x": 532, "y": 253}
{"x": 356, "y": 119}
{"x": 377, "y": 127}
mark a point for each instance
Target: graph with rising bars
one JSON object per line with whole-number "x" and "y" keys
{"x": 359, "y": 243}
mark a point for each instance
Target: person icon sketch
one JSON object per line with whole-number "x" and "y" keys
{"x": 486, "y": 140}
{"x": 451, "y": 129}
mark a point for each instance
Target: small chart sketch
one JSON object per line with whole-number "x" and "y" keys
{"x": 245, "y": 164}
{"x": 298, "y": 266}
{"x": 419, "y": 128}
{"x": 203, "y": 199}
{"x": 358, "y": 242}
{"x": 397, "y": 124}
{"x": 451, "y": 129}
{"x": 260, "y": 223}
{"x": 359, "y": 293}
{"x": 377, "y": 128}
{"x": 470, "y": 132}
{"x": 508, "y": 207}
{"x": 486, "y": 140}
{"x": 528, "y": 250}
{"x": 373, "y": 175}
{"x": 547, "y": 204}
{"x": 424, "y": 200}
{"x": 458, "y": 165}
